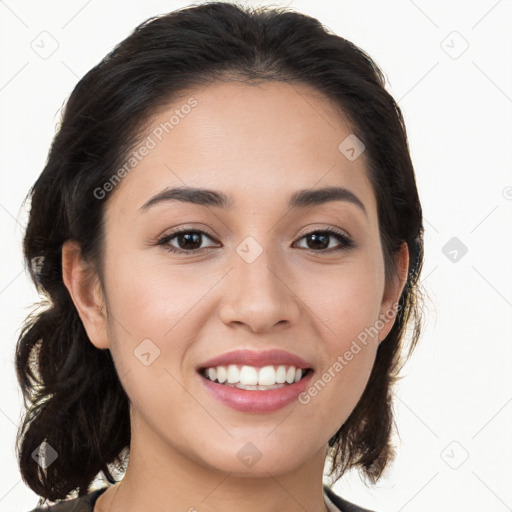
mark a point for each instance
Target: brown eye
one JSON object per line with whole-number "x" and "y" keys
{"x": 320, "y": 241}
{"x": 185, "y": 240}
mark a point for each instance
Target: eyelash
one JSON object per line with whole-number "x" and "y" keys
{"x": 347, "y": 243}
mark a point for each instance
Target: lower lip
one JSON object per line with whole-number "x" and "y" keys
{"x": 257, "y": 401}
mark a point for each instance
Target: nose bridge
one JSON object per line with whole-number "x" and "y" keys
{"x": 257, "y": 295}
{"x": 253, "y": 266}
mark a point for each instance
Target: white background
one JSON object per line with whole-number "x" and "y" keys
{"x": 455, "y": 400}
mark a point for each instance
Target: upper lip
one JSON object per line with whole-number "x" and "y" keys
{"x": 256, "y": 358}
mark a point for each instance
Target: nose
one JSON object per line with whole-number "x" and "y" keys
{"x": 258, "y": 294}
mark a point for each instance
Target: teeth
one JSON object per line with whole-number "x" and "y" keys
{"x": 267, "y": 376}
{"x": 281, "y": 375}
{"x": 233, "y": 374}
{"x": 250, "y": 377}
{"x": 222, "y": 374}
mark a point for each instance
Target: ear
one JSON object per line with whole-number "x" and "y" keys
{"x": 84, "y": 287}
{"x": 393, "y": 291}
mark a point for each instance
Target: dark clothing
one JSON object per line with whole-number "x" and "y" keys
{"x": 82, "y": 504}
{"x": 343, "y": 505}
{"x": 86, "y": 503}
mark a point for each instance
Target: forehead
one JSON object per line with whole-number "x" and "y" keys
{"x": 250, "y": 141}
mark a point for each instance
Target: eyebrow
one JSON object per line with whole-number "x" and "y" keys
{"x": 215, "y": 198}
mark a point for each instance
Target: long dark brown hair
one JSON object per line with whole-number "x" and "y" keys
{"x": 74, "y": 399}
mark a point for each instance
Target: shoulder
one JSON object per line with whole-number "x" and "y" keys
{"x": 81, "y": 504}
{"x": 343, "y": 505}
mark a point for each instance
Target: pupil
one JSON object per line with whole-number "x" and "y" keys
{"x": 316, "y": 238}
{"x": 190, "y": 238}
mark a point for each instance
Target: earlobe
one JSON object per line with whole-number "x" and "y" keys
{"x": 389, "y": 306}
{"x": 84, "y": 288}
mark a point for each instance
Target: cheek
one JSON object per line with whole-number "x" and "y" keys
{"x": 152, "y": 321}
{"x": 346, "y": 304}
{"x": 336, "y": 388}
{"x": 345, "y": 301}
{"x": 151, "y": 299}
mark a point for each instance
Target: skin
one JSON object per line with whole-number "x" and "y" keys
{"x": 257, "y": 144}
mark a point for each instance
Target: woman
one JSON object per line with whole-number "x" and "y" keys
{"x": 230, "y": 237}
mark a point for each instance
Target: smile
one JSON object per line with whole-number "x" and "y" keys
{"x": 254, "y": 378}
{"x": 255, "y": 398}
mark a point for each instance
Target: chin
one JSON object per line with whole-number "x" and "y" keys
{"x": 254, "y": 459}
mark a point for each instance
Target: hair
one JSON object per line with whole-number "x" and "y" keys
{"x": 73, "y": 397}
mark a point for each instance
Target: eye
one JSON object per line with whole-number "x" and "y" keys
{"x": 188, "y": 240}
{"x": 320, "y": 240}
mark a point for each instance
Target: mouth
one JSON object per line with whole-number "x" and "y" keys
{"x": 255, "y": 381}
{"x": 253, "y": 378}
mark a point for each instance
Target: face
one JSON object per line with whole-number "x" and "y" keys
{"x": 298, "y": 285}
